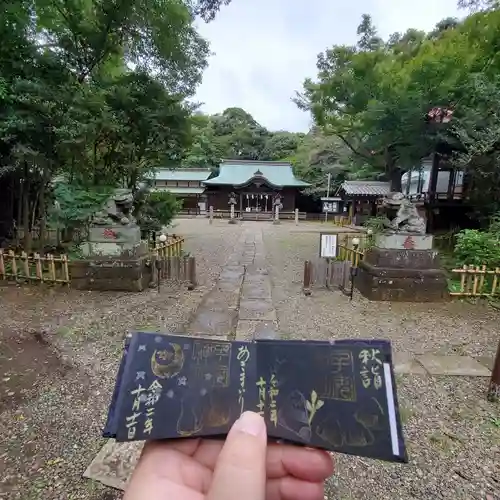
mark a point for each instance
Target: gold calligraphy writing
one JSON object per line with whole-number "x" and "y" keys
{"x": 370, "y": 368}
{"x": 243, "y": 356}
{"x": 338, "y": 382}
{"x": 273, "y": 392}
{"x": 212, "y": 362}
{"x": 261, "y": 384}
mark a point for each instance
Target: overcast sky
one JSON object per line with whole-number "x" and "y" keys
{"x": 263, "y": 49}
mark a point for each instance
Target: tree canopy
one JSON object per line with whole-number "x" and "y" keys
{"x": 95, "y": 91}
{"x": 376, "y": 96}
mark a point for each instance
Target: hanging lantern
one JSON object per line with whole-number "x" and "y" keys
{"x": 248, "y": 196}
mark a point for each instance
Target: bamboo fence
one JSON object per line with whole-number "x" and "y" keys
{"x": 35, "y": 267}
{"x": 477, "y": 281}
{"x": 354, "y": 255}
{"x": 342, "y": 220}
{"x": 173, "y": 247}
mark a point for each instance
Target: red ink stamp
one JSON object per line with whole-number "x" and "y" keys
{"x": 109, "y": 233}
{"x": 409, "y": 243}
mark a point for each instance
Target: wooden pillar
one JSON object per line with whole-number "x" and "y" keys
{"x": 451, "y": 185}
{"x": 494, "y": 387}
{"x": 433, "y": 177}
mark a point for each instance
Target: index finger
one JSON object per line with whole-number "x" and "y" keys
{"x": 282, "y": 460}
{"x": 306, "y": 464}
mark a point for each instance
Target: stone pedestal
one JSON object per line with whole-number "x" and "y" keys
{"x": 119, "y": 241}
{"x": 232, "y": 220}
{"x": 402, "y": 267}
{"x": 111, "y": 273}
{"x": 115, "y": 260}
{"x": 276, "y": 215}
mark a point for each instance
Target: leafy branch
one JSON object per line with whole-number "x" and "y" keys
{"x": 313, "y": 406}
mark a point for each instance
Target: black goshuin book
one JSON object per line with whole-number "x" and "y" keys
{"x": 339, "y": 396}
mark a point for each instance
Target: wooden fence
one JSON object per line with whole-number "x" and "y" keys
{"x": 173, "y": 247}
{"x": 34, "y": 267}
{"x": 55, "y": 269}
{"x": 351, "y": 254}
{"x": 341, "y": 220}
{"x": 476, "y": 281}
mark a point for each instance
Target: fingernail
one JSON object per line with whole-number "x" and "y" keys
{"x": 250, "y": 423}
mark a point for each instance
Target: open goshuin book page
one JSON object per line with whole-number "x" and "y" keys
{"x": 339, "y": 396}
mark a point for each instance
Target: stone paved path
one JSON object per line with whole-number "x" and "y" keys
{"x": 240, "y": 306}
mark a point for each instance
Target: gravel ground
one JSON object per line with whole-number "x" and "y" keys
{"x": 452, "y": 328}
{"x": 452, "y": 434}
{"x": 59, "y": 350}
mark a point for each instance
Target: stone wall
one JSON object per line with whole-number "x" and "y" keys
{"x": 114, "y": 274}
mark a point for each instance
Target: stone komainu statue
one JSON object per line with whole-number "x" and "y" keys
{"x": 118, "y": 210}
{"x": 407, "y": 219}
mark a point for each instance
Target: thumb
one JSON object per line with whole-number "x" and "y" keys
{"x": 240, "y": 471}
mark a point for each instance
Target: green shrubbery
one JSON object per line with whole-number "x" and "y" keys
{"x": 478, "y": 248}
{"x": 157, "y": 209}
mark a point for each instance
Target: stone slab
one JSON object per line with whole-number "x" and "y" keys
{"x": 256, "y": 290}
{"x": 209, "y": 323}
{"x": 257, "y": 309}
{"x": 256, "y": 275}
{"x": 452, "y": 365}
{"x": 404, "y": 241}
{"x": 112, "y": 249}
{"x": 251, "y": 330}
{"x": 404, "y": 363}
{"x": 114, "y": 464}
{"x": 401, "y": 285}
{"x": 487, "y": 361}
{"x": 229, "y": 285}
{"x": 402, "y": 259}
{"x": 231, "y": 273}
{"x": 221, "y": 300}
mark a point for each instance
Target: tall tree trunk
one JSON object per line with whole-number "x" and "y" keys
{"x": 395, "y": 179}
{"x": 34, "y": 210}
{"x": 26, "y": 209}
{"x": 42, "y": 207}
{"x": 20, "y": 201}
{"x": 393, "y": 171}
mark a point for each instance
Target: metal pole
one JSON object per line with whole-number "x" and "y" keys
{"x": 328, "y": 193}
{"x": 494, "y": 387}
{"x": 158, "y": 272}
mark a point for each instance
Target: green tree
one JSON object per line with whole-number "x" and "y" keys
{"x": 70, "y": 104}
{"x": 376, "y": 98}
{"x": 157, "y": 210}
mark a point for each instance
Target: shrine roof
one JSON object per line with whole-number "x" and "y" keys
{"x": 181, "y": 190}
{"x": 241, "y": 172}
{"x": 365, "y": 188}
{"x": 181, "y": 174}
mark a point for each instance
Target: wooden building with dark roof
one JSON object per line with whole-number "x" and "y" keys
{"x": 256, "y": 184}
{"x": 361, "y": 199}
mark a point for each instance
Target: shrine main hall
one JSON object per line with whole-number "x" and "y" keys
{"x": 256, "y": 185}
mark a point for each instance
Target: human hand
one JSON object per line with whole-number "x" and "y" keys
{"x": 242, "y": 467}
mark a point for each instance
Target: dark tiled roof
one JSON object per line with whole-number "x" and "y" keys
{"x": 239, "y": 172}
{"x": 366, "y": 188}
